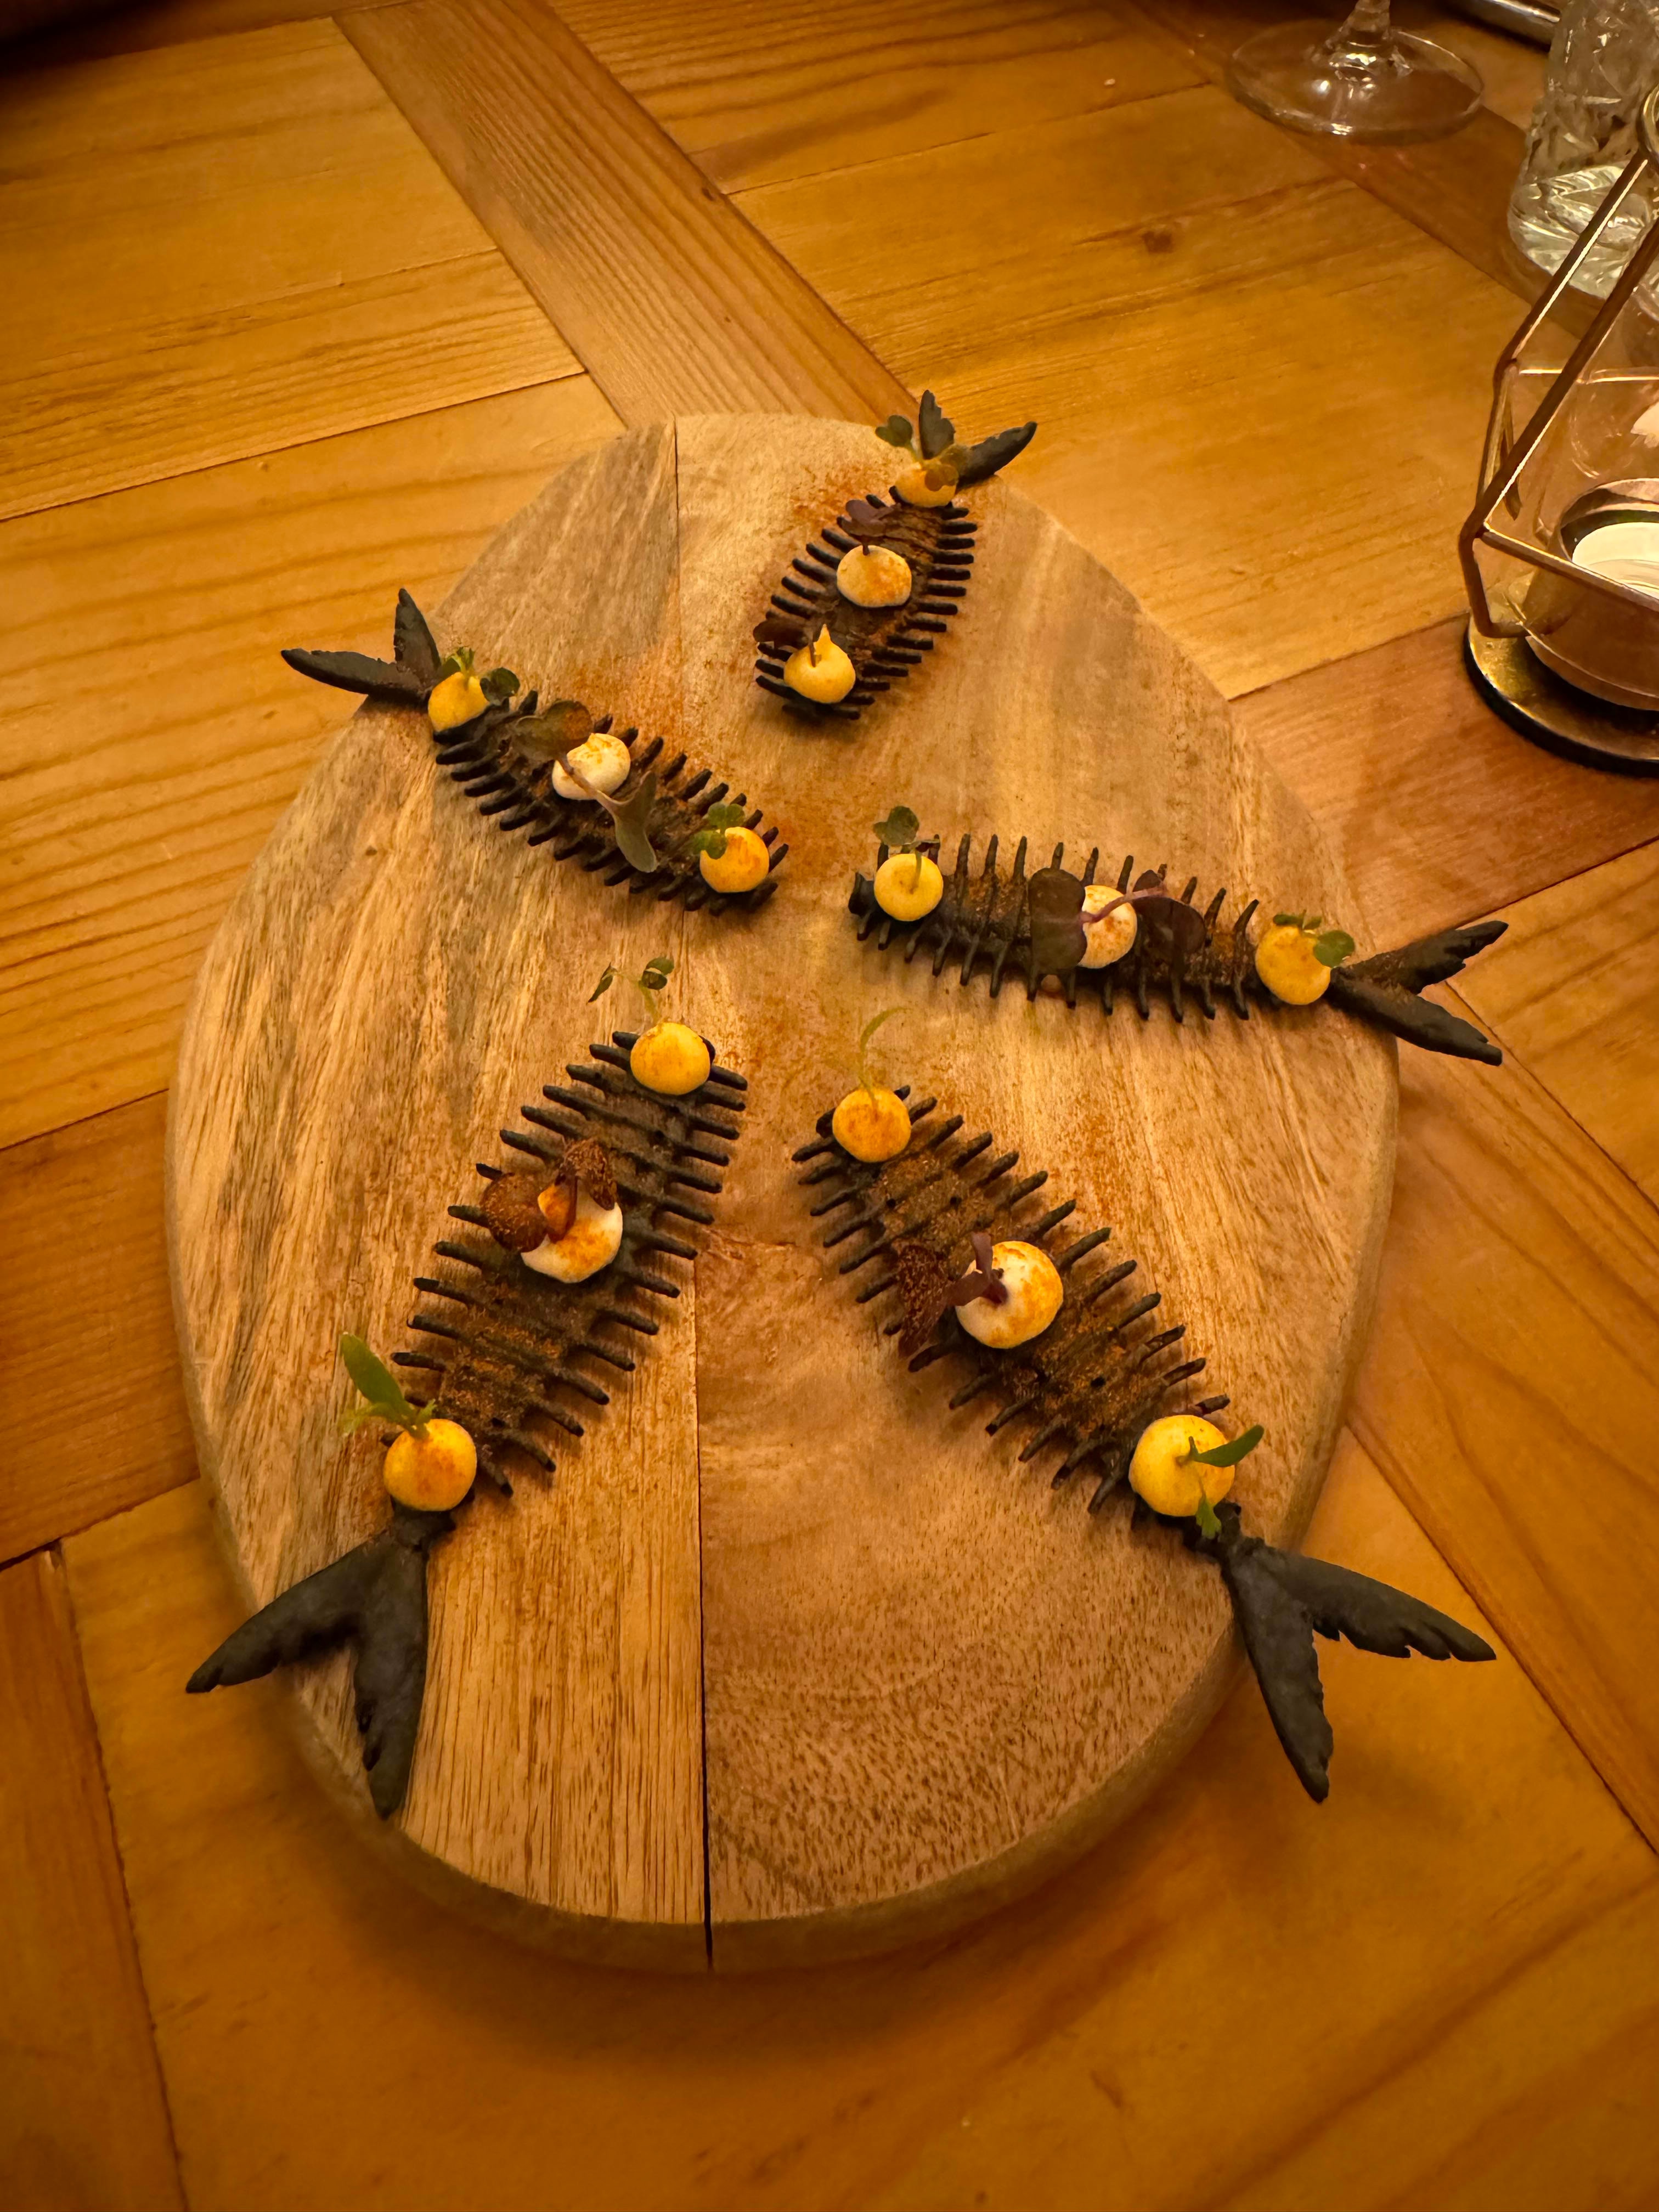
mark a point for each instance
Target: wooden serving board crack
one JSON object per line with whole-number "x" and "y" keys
{"x": 788, "y": 1661}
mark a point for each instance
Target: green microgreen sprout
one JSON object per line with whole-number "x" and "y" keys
{"x": 900, "y": 832}
{"x": 716, "y": 821}
{"x": 498, "y": 686}
{"x": 650, "y": 981}
{"x": 933, "y": 442}
{"x": 1331, "y": 947}
{"x": 1223, "y": 1455}
{"x": 383, "y": 1400}
{"x": 863, "y": 1071}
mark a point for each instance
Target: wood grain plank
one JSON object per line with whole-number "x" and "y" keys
{"x": 1440, "y": 810}
{"x": 1456, "y": 189}
{"x": 133, "y": 808}
{"x": 744, "y": 89}
{"x": 1573, "y": 990}
{"x": 929, "y": 1677}
{"x": 83, "y": 2121}
{"x": 672, "y": 300}
{"x": 92, "y": 1364}
{"x": 1201, "y": 318}
{"x": 315, "y": 1146}
{"x": 296, "y": 270}
{"x": 418, "y": 977}
{"x": 130, "y": 26}
{"x": 1512, "y": 1376}
{"x": 1298, "y": 1961}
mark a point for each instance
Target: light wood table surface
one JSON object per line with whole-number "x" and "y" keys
{"x": 302, "y": 306}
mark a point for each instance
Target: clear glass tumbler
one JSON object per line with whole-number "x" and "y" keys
{"x": 1603, "y": 60}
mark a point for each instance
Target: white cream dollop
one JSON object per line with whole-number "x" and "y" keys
{"x": 591, "y": 1241}
{"x": 1034, "y": 1291}
{"x": 604, "y": 760}
{"x": 1110, "y": 939}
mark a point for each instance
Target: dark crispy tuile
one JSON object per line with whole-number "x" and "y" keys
{"x": 504, "y": 758}
{"x": 883, "y": 643}
{"x": 1383, "y": 989}
{"x": 512, "y": 1214}
{"x": 357, "y": 672}
{"x": 413, "y": 643}
{"x": 994, "y": 452}
{"x": 509, "y": 1349}
{"x": 588, "y": 1164}
{"x": 1026, "y": 925}
{"x": 375, "y": 1599}
{"x": 1282, "y": 1599}
{"x": 1089, "y": 1386}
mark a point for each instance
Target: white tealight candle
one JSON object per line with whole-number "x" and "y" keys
{"x": 1623, "y": 552}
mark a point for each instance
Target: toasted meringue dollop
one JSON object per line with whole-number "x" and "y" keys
{"x": 604, "y": 760}
{"x": 873, "y": 576}
{"x": 591, "y": 1241}
{"x": 1034, "y": 1291}
{"x": 1110, "y": 939}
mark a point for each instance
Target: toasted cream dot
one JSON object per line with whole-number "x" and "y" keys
{"x": 1110, "y": 939}
{"x": 873, "y": 576}
{"x": 591, "y": 1241}
{"x": 1034, "y": 1291}
{"x": 604, "y": 761}
{"x": 913, "y": 488}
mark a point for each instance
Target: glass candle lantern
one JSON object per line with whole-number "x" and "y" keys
{"x": 1562, "y": 549}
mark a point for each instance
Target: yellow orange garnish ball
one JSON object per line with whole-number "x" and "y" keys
{"x": 1159, "y": 1473}
{"x": 670, "y": 1058}
{"x": 458, "y": 698}
{"x": 871, "y": 1125}
{"x": 913, "y": 488}
{"x": 432, "y": 1471}
{"x": 1285, "y": 963}
{"x": 908, "y": 886}
{"x": 820, "y": 670}
{"x": 742, "y": 865}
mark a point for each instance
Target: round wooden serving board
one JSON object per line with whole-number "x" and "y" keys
{"x": 778, "y": 1597}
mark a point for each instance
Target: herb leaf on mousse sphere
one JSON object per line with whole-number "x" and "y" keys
{"x": 384, "y": 1400}
{"x": 716, "y": 821}
{"x": 1331, "y": 946}
{"x": 1227, "y": 1454}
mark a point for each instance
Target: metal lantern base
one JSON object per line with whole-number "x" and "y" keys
{"x": 1553, "y": 713}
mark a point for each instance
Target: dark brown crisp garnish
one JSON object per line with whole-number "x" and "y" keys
{"x": 587, "y": 1163}
{"x": 512, "y": 1215}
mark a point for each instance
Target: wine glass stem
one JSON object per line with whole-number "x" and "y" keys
{"x": 1366, "y": 33}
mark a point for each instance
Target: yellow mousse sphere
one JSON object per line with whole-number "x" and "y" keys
{"x": 913, "y": 488}
{"x": 1158, "y": 1473}
{"x": 871, "y": 1125}
{"x": 457, "y": 699}
{"x": 742, "y": 865}
{"x": 1110, "y": 939}
{"x": 1285, "y": 961}
{"x": 820, "y": 670}
{"x": 1034, "y": 1291}
{"x": 432, "y": 1471}
{"x": 908, "y": 886}
{"x": 670, "y": 1058}
{"x": 873, "y": 576}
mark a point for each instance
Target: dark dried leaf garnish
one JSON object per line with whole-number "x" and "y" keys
{"x": 588, "y": 1165}
{"x": 511, "y": 1214}
{"x": 936, "y": 431}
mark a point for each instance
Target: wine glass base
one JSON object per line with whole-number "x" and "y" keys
{"x": 1399, "y": 89}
